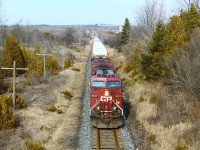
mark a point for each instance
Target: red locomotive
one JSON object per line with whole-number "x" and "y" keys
{"x": 101, "y": 64}
{"x": 106, "y": 100}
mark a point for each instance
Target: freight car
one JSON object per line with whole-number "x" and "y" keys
{"x": 98, "y": 49}
{"x": 106, "y": 100}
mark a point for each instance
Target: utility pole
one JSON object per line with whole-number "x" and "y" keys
{"x": 14, "y": 70}
{"x": 44, "y": 58}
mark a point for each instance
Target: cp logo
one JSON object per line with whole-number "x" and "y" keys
{"x": 106, "y": 98}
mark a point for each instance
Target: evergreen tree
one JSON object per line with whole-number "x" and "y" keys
{"x": 35, "y": 67}
{"x": 156, "y": 45}
{"x": 12, "y": 52}
{"x": 52, "y": 65}
{"x": 6, "y": 113}
{"x": 191, "y": 19}
{"x": 125, "y": 34}
{"x": 152, "y": 62}
{"x": 175, "y": 36}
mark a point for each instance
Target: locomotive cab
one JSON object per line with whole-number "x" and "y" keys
{"x": 106, "y": 100}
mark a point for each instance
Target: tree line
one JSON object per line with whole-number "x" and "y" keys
{"x": 160, "y": 58}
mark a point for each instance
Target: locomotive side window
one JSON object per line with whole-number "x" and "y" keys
{"x": 114, "y": 84}
{"x": 98, "y": 84}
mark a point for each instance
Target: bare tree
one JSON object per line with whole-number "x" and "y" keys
{"x": 149, "y": 14}
{"x": 185, "y": 4}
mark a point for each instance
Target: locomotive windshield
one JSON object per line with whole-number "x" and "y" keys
{"x": 98, "y": 84}
{"x": 113, "y": 84}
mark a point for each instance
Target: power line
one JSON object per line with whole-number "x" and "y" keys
{"x": 14, "y": 76}
{"x": 44, "y": 58}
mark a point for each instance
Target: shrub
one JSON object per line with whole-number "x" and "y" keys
{"x": 59, "y": 111}
{"x": 181, "y": 145}
{"x": 153, "y": 99}
{"x": 141, "y": 99}
{"x": 34, "y": 145}
{"x": 68, "y": 63}
{"x": 52, "y": 65}
{"x": 6, "y": 113}
{"x": 52, "y": 108}
{"x": 128, "y": 67}
{"x": 10, "y": 88}
{"x": 150, "y": 138}
{"x": 19, "y": 101}
{"x": 76, "y": 69}
{"x": 67, "y": 94}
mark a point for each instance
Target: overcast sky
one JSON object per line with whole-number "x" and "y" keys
{"x": 69, "y": 12}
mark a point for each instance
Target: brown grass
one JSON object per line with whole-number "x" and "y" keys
{"x": 34, "y": 145}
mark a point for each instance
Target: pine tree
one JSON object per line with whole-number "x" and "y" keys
{"x": 27, "y": 55}
{"x": 156, "y": 45}
{"x": 1, "y": 82}
{"x": 12, "y": 52}
{"x": 52, "y": 65}
{"x": 175, "y": 36}
{"x": 6, "y": 113}
{"x": 125, "y": 34}
{"x": 36, "y": 64}
{"x": 191, "y": 19}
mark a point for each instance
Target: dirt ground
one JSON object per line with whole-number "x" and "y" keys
{"x": 36, "y": 124}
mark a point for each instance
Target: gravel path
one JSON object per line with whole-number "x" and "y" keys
{"x": 85, "y": 131}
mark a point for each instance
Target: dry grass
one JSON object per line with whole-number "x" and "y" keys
{"x": 34, "y": 145}
{"x": 35, "y": 122}
{"x": 166, "y": 113}
{"x": 162, "y": 117}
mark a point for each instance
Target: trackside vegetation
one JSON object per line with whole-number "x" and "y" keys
{"x": 161, "y": 75}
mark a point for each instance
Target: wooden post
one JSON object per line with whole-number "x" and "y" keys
{"x": 14, "y": 71}
{"x": 44, "y": 57}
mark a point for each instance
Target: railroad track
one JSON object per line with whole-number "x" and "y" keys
{"x": 107, "y": 139}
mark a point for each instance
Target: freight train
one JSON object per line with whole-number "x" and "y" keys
{"x": 105, "y": 90}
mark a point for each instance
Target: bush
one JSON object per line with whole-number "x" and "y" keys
{"x": 181, "y": 145}
{"x": 6, "y": 113}
{"x": 19, "y": 101}
{"x": 52, "y": 65}
{"x": 68, "y": 63}
{"x": 10, "y": 88}
{"x": 52, "y": 108}
{"x": 153, "y": 99}
{"x": 150, "y": 138}
{"x": 34, "y": 145}
{"x": 67, "y": 94}
{"x": 76, "y": 69}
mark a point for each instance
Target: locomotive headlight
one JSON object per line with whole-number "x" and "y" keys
{"x": 114, "y": 108}
{"x": 106, "y": 93}
{"x": 98, "y": 108}
{"x": 117, "y": 95}
{"x": 93, "y": 95}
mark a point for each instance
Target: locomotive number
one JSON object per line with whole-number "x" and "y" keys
{"x": 106, "y": 98}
